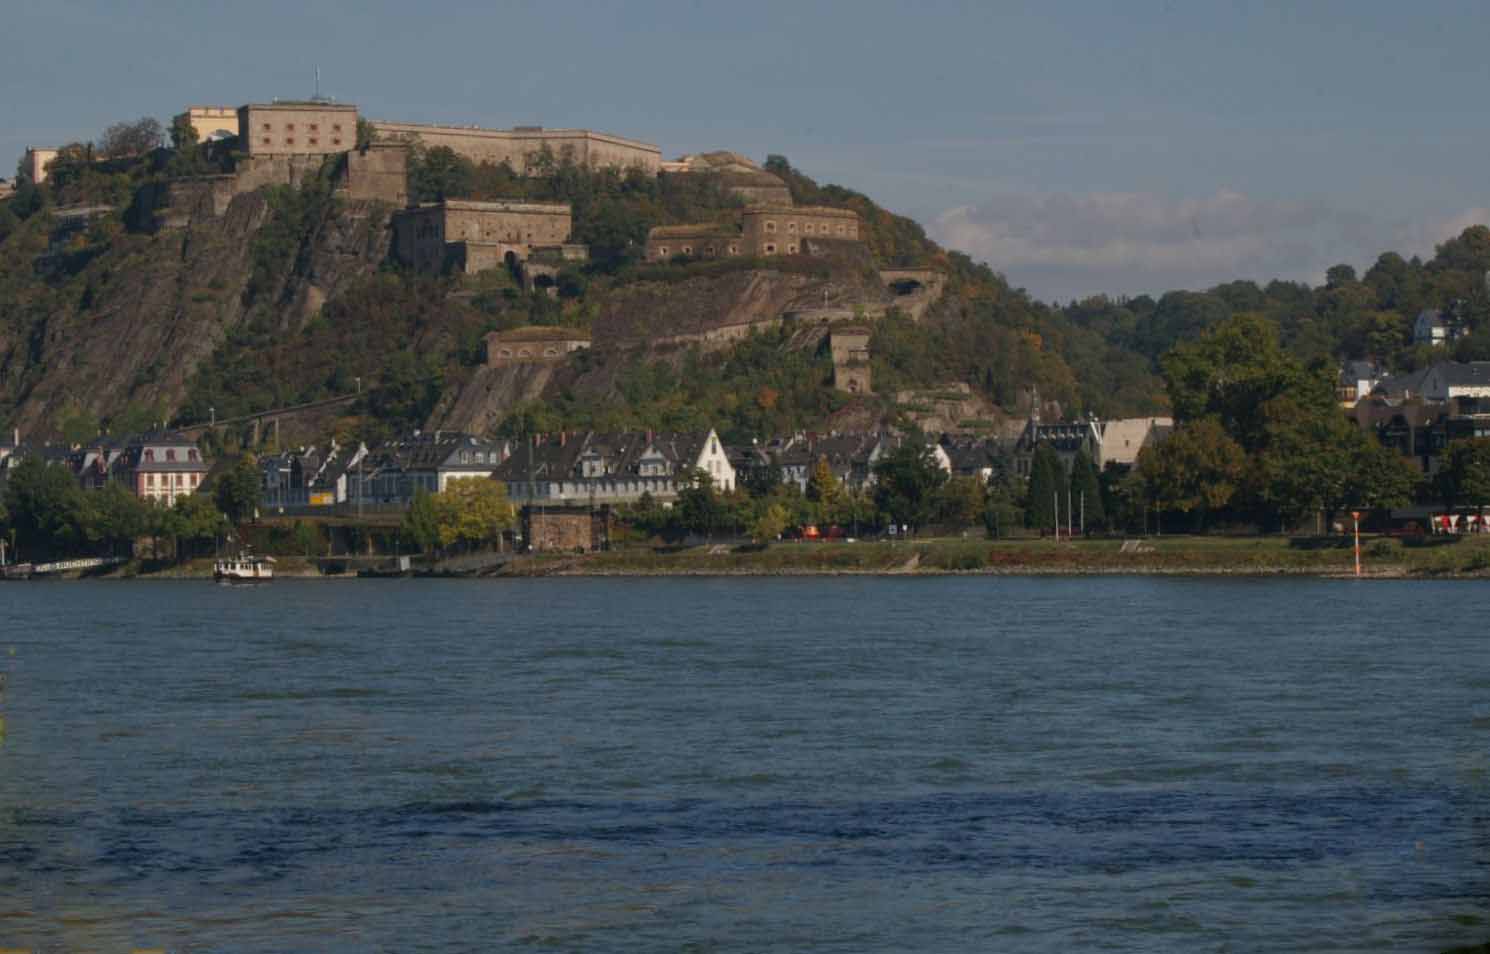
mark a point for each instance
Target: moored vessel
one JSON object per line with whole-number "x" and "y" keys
{"x": 245, "y": 568}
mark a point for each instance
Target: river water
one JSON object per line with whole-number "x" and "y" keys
{"x": 842, "y": 764}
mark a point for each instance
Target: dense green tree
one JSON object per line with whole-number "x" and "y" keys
{"x": 115, "y": 517}
{"x": 1086, "y": 491}
{"x": 960, "y": 502}
{"x": 822, "y": 484}
{"x": 1047, "y": 489}
{"x": 1463, "y": 478}
{"x": 906, "y": 483}
{"x": 196, "y": 522}
{"x": 473, "y": 511}
{"x": 699, "y": 509}
{"x": 1231, "y": 372}
{"x": 239, "y": 490}
{"x": 47, "y": 510}
{"x": 1197, "y": 469}
{"x": 421, "y": 522}
{"x": 771, "y": 523}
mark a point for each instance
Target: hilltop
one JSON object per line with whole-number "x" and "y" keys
{"x": 157, "y": 287}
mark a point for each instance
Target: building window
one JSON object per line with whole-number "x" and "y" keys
{"x": 840, "y": 230}
{"x": 791, "y": 226}
{"x": 266, "y": 141}
{"x": 289, "y": 140}
{"x": 792, "y": 249}
{"x": 688, "y": 250}
{"x": 771, "y": 227}
{"x": 336, "y": 127}
{"x": 662, "y": 252}
{"x": 336, "y": 142}
{"x": 709, "y": 250}
{"x": 734, "y": 250}
{"x": 314, "y": 141}
{"x": 171, "y": 454}
{"x": 149, "y": 454}
{"x": 807, "y": 229}
{"x": 770, "y": 249}
{"x": 290, "y": 127}
{"x": 315, "y": 127}
{"x": 267, "y": 127}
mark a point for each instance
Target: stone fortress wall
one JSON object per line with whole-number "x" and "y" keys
{"x": 477, "y": 235}
{"x": 769, "y": 230}
{"x": 515, "y": 146}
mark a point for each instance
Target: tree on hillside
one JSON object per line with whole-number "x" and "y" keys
{"x": 1231, "y": 372}
{"x": 239, "y": 490}
{"x": 906, "y": 483}
{"x": 1047, "y": 489}
{"x": 131, "y": 138}
{"x": 1086, "y": 491}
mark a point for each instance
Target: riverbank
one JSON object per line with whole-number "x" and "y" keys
{"x": 1171, "y": 556}
{"x": 1383, "y": 558}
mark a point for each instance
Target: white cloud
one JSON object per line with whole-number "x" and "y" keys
{"x": 1064, "y": 245}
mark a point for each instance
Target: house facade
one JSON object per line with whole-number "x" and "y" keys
{"x": 593, "y": 468}
{"x": 161, "y": 467}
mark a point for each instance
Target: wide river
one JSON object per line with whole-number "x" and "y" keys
{"x": 841, "y": 764}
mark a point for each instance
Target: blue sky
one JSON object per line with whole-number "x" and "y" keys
{"x": 1077, "y": 147}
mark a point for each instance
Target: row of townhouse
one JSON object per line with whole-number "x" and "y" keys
{"x": 590, "y": 468}
{"x": 161, "y": 466}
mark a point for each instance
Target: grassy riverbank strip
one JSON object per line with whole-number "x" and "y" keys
{"x": 1261, "y": 556}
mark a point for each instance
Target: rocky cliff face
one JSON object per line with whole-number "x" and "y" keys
{"x": 128, "y": 324}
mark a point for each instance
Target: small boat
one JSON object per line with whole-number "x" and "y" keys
{"x": 244, "y": 569}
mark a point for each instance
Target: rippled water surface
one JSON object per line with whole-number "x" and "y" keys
{"x": 746, "y": 765}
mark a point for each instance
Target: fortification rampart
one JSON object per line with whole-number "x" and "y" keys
{"x": 516, "y": 146}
